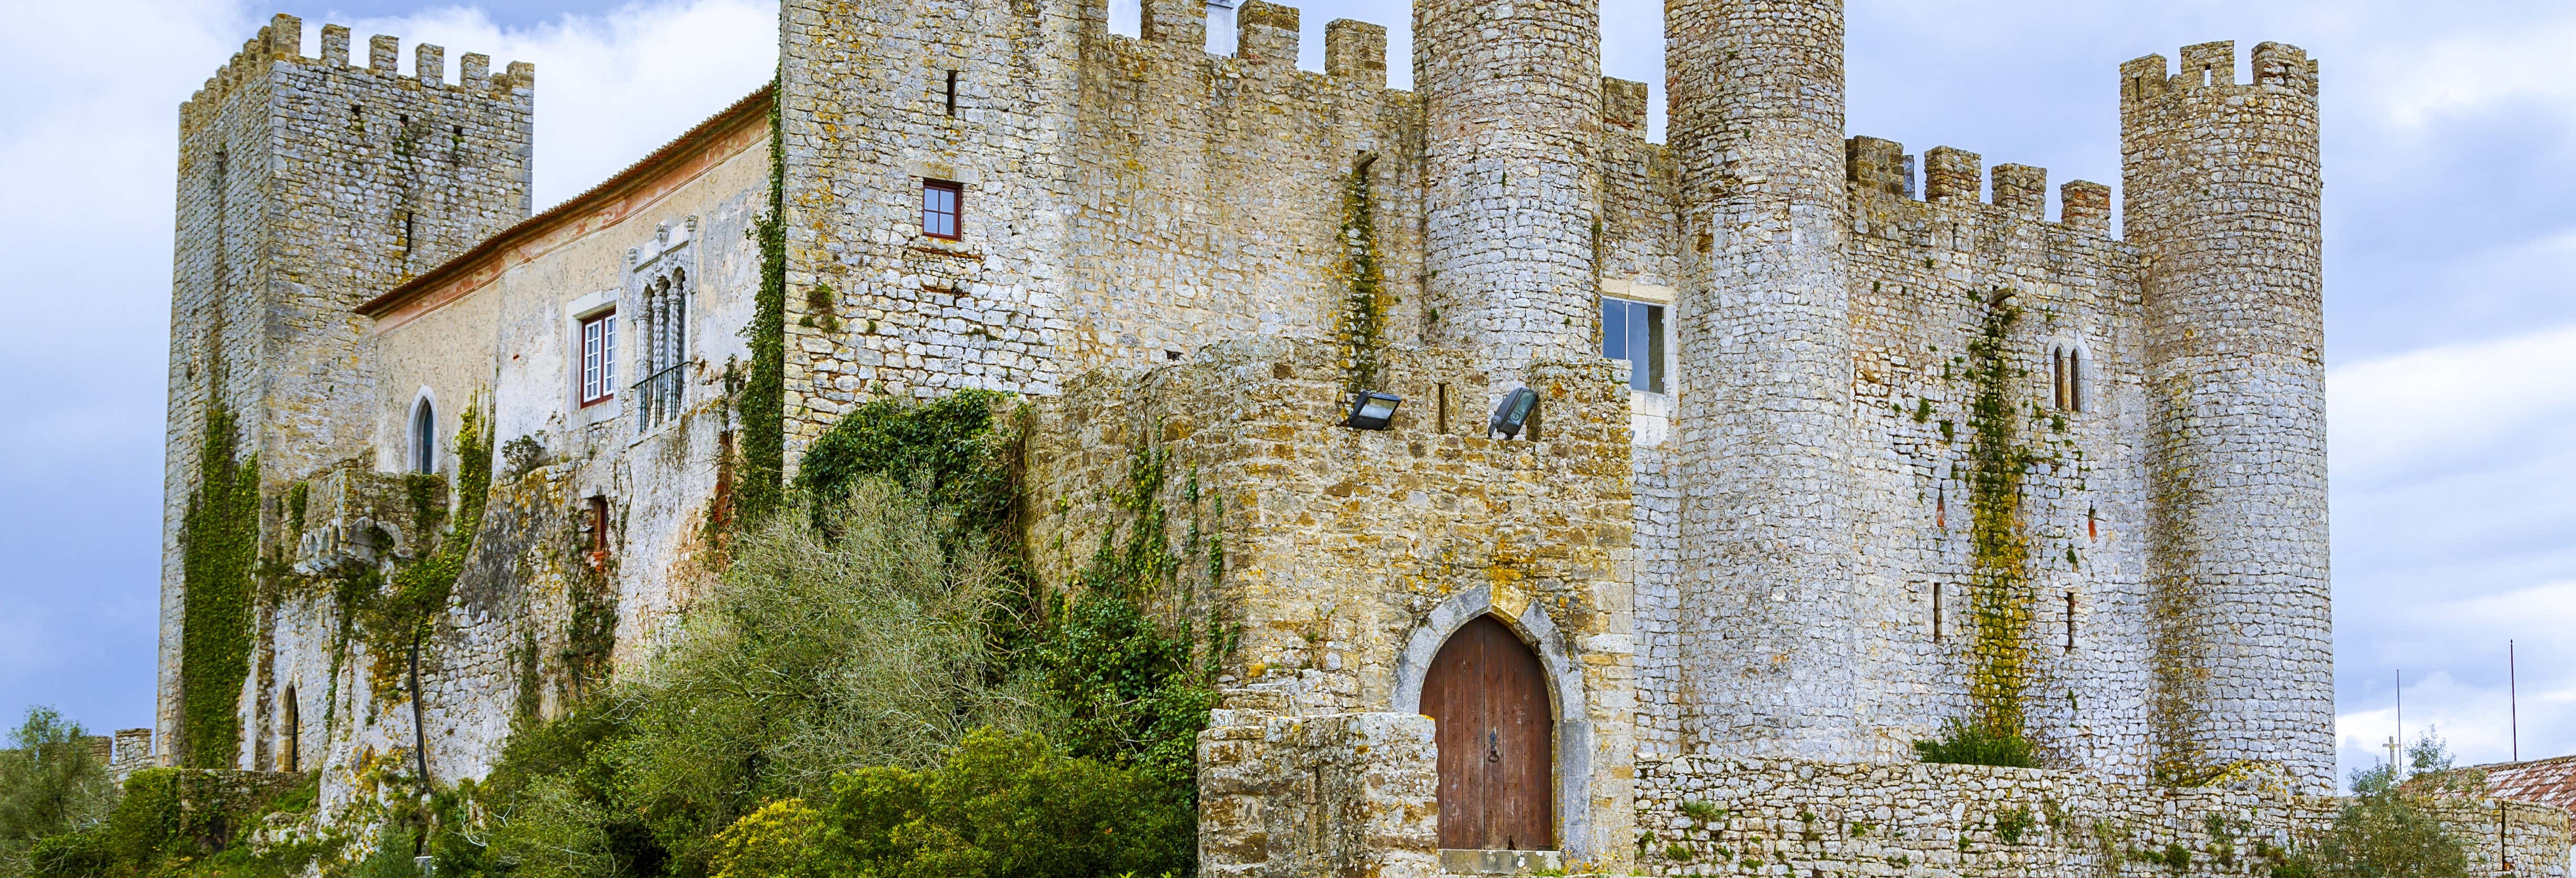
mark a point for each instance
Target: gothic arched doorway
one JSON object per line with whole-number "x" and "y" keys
{"x": 1488, "y": 694}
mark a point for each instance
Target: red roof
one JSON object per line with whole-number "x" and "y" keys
{"x": 2542, "y": 781}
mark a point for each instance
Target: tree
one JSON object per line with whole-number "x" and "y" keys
{"x": 51, "y": 782}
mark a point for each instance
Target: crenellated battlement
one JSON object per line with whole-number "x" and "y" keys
{"x": 2211, "y": 67}
{"x": 1953, "y": 176}
{"x": 282, "y": 40}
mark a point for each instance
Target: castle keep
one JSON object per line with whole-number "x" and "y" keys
{"x": 1837, "y": 446}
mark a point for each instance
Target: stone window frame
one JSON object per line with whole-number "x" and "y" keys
{"x": 1660, "y": 341}
{"x": 575, "y": 313}
{"x": 2070, "y": 376}
{"x": 658, "y": 297}
{"x": 1572, "y": 732}
{"x": 420, "y": 433}
{"x": 595, "y": 354}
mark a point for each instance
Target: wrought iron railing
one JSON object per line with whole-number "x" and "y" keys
{"x": 657, "y": 397}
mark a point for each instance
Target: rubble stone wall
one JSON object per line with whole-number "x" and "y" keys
{"x": 1717, "y": 816}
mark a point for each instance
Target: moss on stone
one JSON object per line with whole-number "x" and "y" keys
{"x": 1361, "y": 328}
{"x": 2000, "y": 587}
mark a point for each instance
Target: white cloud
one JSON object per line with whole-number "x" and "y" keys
{"x": 2397, "y": 416}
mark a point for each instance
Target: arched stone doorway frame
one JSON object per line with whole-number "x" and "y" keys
{"x": 1572, "y": 729}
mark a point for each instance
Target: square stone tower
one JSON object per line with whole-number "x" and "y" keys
{"x": 306, "y": 186}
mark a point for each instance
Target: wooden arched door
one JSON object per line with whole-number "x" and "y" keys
{"x": 1488, "y": 694}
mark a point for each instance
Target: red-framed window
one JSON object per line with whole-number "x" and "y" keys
{"x": 599, "y": 358}
{"x": 943, "y": 205}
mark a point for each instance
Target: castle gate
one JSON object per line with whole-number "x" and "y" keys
{"x": 1488, "y": 693}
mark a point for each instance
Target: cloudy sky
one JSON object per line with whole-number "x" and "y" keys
{"x": 2451, "y": 241}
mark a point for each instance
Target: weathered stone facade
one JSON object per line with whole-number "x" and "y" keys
{"x": 1925, "y": 454}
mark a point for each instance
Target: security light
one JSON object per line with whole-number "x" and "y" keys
{"x": 1371, "y": 410}
{"x": 1513, "y": 412}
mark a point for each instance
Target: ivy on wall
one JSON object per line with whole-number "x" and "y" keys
{"x": 2000, "y": 587}
{"x": 762, "y": 404}
{"x": 389, "y": 614}
{"x": 219, "y": 553}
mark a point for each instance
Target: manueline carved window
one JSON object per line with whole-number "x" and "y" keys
{"x": 663, "y": 326}
{"x": 656, "y": 318}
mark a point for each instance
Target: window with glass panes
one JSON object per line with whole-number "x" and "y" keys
{"x": 1634, "y": 331}
{"x": 941, "y": 203}
{"x": 599, "y": 358}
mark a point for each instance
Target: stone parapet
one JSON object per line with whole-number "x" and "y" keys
{"x": 1704, "y": 815}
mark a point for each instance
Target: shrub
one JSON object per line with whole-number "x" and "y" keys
{"x": 822, "y": 651}
{"x": 1963, "y": 743}
{"x": 1003, "y": 806}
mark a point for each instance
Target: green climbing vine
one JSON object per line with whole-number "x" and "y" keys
{"x": 2000, "y": 586}
{"x": 1140, "y": 688}
{"x": 219, "y": 553}
{"x": 762, "y": 405}
{"x": 389, "y": 613}
{"x": 1362, "y": 325}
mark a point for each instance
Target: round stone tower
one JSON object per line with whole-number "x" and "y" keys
{"x": 1767, "y": 600}
{"x": 1512, "y": 94}
{"x": 2223, "y": 191}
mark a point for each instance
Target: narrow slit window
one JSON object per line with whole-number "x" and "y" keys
{"x": 952, "y": 92}
{"x": 1936, "y": 613}
{"x": 1440, "y": 409}
{"x": 599, "y": 359}
{"x": 2070, "y": 621}
{"x": 942, "y": 204}
{"x": 424, "y": 437}
{"x": 2066, "y": 368}
{"x": 2075, "y": 380}
{"x": 290, "y": 755}
{"x": 1634, "y": 331}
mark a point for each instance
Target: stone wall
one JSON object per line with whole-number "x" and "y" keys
{"x": 1717, "y": 816}
{"x": 2004, "y": 534}
{"x": 544, "y": 607}
{"x": 1349, "y": 556}
{"x": 1512, "y": 99}
{"x": 1341, "y": 794}
{"x": 1771, "y": 606}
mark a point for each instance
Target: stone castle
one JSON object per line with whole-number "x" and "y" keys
{"x": 1834, "y": 449}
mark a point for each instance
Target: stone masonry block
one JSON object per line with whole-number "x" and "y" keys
{"x": 2022, "y": 189}
{"x": 1355, "y": 53}
{"x": 1267, "y": 34}
{"x": 1952, "y": 175}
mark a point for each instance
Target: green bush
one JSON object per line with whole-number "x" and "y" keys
{"x": 2388, "y": 829}
{"x": 822, "y": 651}
{"x": 872, "y": 671}
{"x": 1002, "y": 806}
{"x": 1963, "y": 743}
{"x": 178, "y": 821}
{"x": 51, "y": 783}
